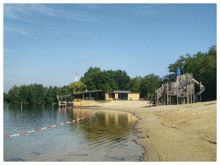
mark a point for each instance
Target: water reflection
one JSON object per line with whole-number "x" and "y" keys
{"x": 101, "y": 136}
{"x": 105, "y": 125}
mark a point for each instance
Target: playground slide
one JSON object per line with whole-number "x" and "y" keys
{"x": 202, "y": 87}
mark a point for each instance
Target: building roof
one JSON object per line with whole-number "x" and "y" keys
{"x": 121, "y": 91}
{"x": 82, "y": 92}
{"x": 95, "y": 91}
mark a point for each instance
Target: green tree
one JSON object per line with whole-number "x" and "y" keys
{"x": 108, "y": 80}
{"x": 121, "y": 79}
{"x": 149, "y": 84}
{"x": 6, "y": 97}
{"x": 179, "y": 63}
{"x": 203, "y": 67}
{"x": 91, "y": 78}
{"x": 23, "y": 93}
{"x": 65, "y": 90}
{"x": 51, "y": 95}
{"x": 77, "y": 86}
{"x": 13, "y": 94}
{"x": 33, "y": 94}
{"x": 36, "y": 94}
{"x": 135, "y": 84}
{"x": 169, "y": 77}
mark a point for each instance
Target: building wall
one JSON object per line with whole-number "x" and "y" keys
{"x": 116, "y": 96}
{"x": 133, "y": 96}
{"x": 109, "y": 96}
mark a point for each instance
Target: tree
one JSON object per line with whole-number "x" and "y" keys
{"x": 91, "y": 78}
{"x": 121, "y": 79}
{"x": 13, "y": 94}
{"x": 169, "y": 77}
{"x": 203, "y": 67}
{"x": 23, "y": 93}
{"x": 6, "y": 97}
{"x": 65, "y": 90}
{"x": 135, "y": 84}
{"x": 108, "y": 80}
{"x": 36, "y": 94}
{"x": 110, "y": 83}
{"x": 178, "y": 64}
{"x": 51, "y": 95}
{"x": 33, "y": 94}
{"x": 149, "y": 84}
{"x": 77, "y": 86}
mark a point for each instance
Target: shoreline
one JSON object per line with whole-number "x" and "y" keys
{"x": 174, "y": 132}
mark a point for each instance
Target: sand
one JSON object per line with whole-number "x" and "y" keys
{"x": 174, "y": 132}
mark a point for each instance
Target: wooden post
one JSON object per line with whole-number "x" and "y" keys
{"x": 190, "y": 98}
{"x": 177, "y": 94}
{"x": 187, "y": 100}
{"x": 194, "y": 95}
{"x": 167, "y": 95}
{"x": 157, "y": 98}
{"x": 77, "y": 119}
{"x": 164, "y": 99}
{"x": 200, "y": 96}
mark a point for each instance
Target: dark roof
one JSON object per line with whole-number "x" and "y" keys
{"x": 95, "y": 91}
{"x": 121, "y": 91}
{"x": 92, "y": 91}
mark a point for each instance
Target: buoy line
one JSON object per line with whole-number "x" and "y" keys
{"x": 24, "y": 133}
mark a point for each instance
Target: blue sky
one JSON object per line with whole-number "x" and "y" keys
{"x": 51, "y": 44}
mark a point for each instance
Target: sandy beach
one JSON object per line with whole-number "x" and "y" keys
{"x": 174, "y": 132}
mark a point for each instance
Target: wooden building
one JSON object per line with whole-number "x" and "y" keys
{"x": 89, "y": 95}
{"x": 183, "y": 91}
{"x": 122, "y": 95}
{"x": 101, "y": 95}
{"x": 94, "y": 95}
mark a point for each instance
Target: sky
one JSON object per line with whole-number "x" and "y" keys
{"x": 53, "y": 44}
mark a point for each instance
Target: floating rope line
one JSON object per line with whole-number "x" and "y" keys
{"x": 24, "y": 133}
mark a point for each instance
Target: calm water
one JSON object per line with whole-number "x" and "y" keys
{"x": 101, "y": 136}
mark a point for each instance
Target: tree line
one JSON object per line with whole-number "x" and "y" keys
{"x": 109, "y": 80}
{"x": 201, "y": 65}
{"x": 35, "y": 94}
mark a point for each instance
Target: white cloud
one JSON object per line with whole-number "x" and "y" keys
{"x": 16, "y": 30}
{"x": 145, "y": 10}
{"x": 23, "y": 12}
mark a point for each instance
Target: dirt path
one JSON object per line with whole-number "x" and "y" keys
{"x": 173, "y": 133}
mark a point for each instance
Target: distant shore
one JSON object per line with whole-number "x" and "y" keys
{"x": 174, "y": 132}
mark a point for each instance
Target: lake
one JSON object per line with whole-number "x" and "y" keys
{"x": 99, "y": 136}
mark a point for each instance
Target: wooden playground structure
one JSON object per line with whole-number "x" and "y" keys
{"x": 184, "y": 90}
